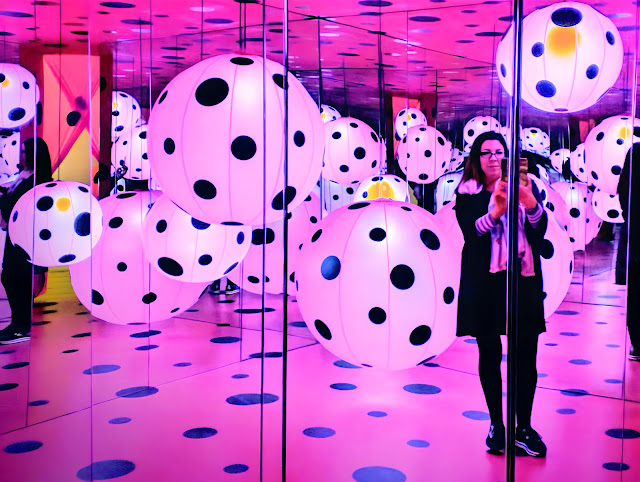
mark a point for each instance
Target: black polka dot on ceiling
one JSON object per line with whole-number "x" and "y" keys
{"x": 136, "y": 21}
{"x": 424, "y": 18}
{"x": 117, "y": 5}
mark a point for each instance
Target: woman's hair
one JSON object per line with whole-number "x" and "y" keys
{"x": 473, "y": 169}
{"x": 42, "y": 168}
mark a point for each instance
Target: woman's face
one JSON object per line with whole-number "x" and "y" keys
{"x": 491, "y": 155}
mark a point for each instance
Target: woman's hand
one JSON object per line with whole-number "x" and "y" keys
{"x": 525, "y": 194}
{"x": 500, "y": 200}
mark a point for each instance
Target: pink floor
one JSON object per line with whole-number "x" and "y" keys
{"x": 200, "y": 420}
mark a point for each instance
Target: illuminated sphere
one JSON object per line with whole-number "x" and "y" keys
{"x": 19, "y": 96}
{"x": 478, "y": 125}
{"x": 336, "y": 195}
{"x": 116, "y": 283}
{"x": 386, "y": 186}
{"x": 189, "y": 250}
{"x": 129, "y": 153}
{"x": 57, "y": 223}
{"x": 607, "y": 206}
{"x": 577, "y": 164}
{"x": 457, "y": 158}
{"x": 535, "y": 140}
{"x": 424, "y": 154}
{"x": 606, "y": 147}
{"x": 445, "y": 190}
{"x": 559, "y": 157}
{"x": 328, "y": 113}
{"x": 125, "y": 113}
{"x": 375, "y": 285}
{"x": 302, "y": 224}
{"x": 584, "y": 224}
{"x": 352, "y": 152}
{"x": 572, "y": 55}
{"x": 408, "y": 118}
{"x": 207, "y": 142}
{"x": 9, "y": 157}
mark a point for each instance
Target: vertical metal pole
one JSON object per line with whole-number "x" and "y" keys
{"x": 513, "y": 268}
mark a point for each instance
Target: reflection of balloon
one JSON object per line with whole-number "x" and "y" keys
{"x": 209, "y": 149}
{"x": 445, "y": 191}
{"x": 125, "y": 113}
{"x": 576, "y": 162}
{"x": 533, "y": 139}
{"x": 385, "y": 186}
{"x": 129, "y": 154}
{"x": 328, "y": 113}
{"x": 424, "y": 154}
{"x": 559, "y": 157}
{"x": 457, "y": 158}
{"x": 572, "y": 55}
{"x": 19, "y": 96}
{"x": 477, "y": 125}
{"x": 558, "y": 207}
{"x": 116, "y": 283}
{"x": 336, "y": 195}
{"x": 408, "y": 118}
{"x": 607, "y": 206}
{"x": 57, "y": 223}
{"x": 584, "y": 224}
{"x": 9, "y": 157}
{"x": 392, "y": 313}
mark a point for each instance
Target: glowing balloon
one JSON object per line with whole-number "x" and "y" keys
{"x": 445, "y": 190}
{"x": 408, "y": 118}
{"x": 9, "y": 157}
{"x": 424, "y": 154}
{"x": 576, "y": 162}
{"x": 210, "y": 152}
{"x": 559, "y": 157}
{"x": 19, "y": 96}
{"x": 533, "y": 139}
{"x": 386, "y": 186}
{"x": 129, "y": 154}
{"x": 125, "y": 113}
{"x": 116, "y": 283}
{"x": 478, "y": 125}
{"x": 57, "y": 223}
{"x": 607, "y": 206}
{"x": 375, "y": 285}
{"x": 584, "y": 224}
{"x": 572, "y": 55}
{"x": 328, "y": 113}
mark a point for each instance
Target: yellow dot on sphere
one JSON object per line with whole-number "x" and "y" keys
{"x": 5, "y": 82}
{"x": 63, "y": 203}
{"x": 562, "y": 41}
{"x": 624, "y": 133}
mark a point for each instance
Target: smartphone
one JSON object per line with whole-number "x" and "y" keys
{"x": 523, "y": 169}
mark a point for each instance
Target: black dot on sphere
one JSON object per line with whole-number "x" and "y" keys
{"x": 211, "y": 92}
{"x": 613, "y": 213}
{"x": 373, "y": 164}
{"x": 503, "y": 70}
{"x": 441, "y": 141}
{"x": 336, "y": 135}
{"x": 142, "y": 135}
{"x": 170, "y": 266}
{"x": 44, "y": 203}
{"x": 566, "y": 17}
{"x": 67, "y": 258}
{"x": 616, "y": 170}
{"x": 430, "y": 239}
{"x": 374, "y": 137}
{"x": 289, "y": 195}
{"x": 349, "y": 190}
{"x": 402, "y": 277}
{"x": 125, "y": 195}
{"x": 205, "y": 259}
{"x": 546, "y": 88}
{"x": 377, "y": 315}
{"x": 169, "y": 146}
{"x": 574, "y": 212}
{"x": 204, "y": 189}
{"x": 243, "y": 148}
{"x": 323, "y": 329}
{"x": 298, "y": 138}
{"x": 45, "y": 234}
{"x": 448, "y": 295}
{"x": 241, "y": 61}
{"x": 230, "y": 268}
{"x": 15, "y": 216}
{"x": 592, "y": 71}
{"x": 470, "y": 132}
{"x": 122, "y": 266}
{"x": 259, "y": 236}
{"x": 25, "y": 85}
{"x": 420, "y": 335}
{"x": 619, "y": 141}
{"x": 405, "y": 208}
{"x": 199, "y": 225}
{"x": 149, "y": 298}
{"x": 163, "y": 97}
{"x": 96, "y": 298}
{"x": 572, "y": 239}
{"x": 610, "y": 38}
{"x": 427, "y": 153}
{"x": 359, "y": 153}
{"x": 636, "y": 131}
{"x": 279, "y": 80}
{"x": 538, "y": 49}
{"x": 344, "y": 168}
{"x": 253, "y": 279}
{"x": 546, "y": 249}
{"x": 83, "y": 189}
{"x": 354, "y": 125}
{"x": 377, "y": 234}
{"x": 73, "y": 117}
{"x": 600, "y": 136}
{"x": 115, "y": 222}
{"x": 316, "y": 235}
{"x": 594, "y": 175}
{"x": 17, "y": 114}
{"x": 330, "y": 268}
{"x": 240, "y": 238}
{"x": 161, "y": 226}
{"x": 313, "y": 219}
{"x": 82, "y": 224}
{"x": 357, "y": 206}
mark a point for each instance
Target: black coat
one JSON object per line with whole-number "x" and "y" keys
{"x": 482, "y": 295}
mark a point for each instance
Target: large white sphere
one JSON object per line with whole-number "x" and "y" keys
{"x": 577, "y": 164}
{"x": 584, "y": 224}
{"x": 385, "y": 186}
{"x": 125, "y": 113}
{"x": 478, "y": 125}
{"x": 57, "y": 223}
{"x": 393, "y": 312}
{"x": 9, "y": 157}
{"x": 328, "y": 113}
{"x": 335, "y": 195}
{"x": 559, "y": 157}
{"x": 406, "y": 118}
{"x": 457, "y": 159}
{"x": 190, "y": 250}
{"x": 534, "y": 139}
{"x": 572, "y": 55}
{"x": 116, "y": 283}
{"x": 606, "y": 147}
{"x": 424, "y": 154}
{"x": 129, "y": 153}
{"x": 445, "y": 190}
{"x": 607, "y": 206}
{"x": 19, "y": 96}
{"x": 210, "y": 153}
{"x": 302, "y": 224}
{"x": 352, "y": 151}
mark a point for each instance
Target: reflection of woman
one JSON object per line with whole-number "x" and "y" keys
{"x": 481, "y": 207}
{"x": 16, "y": 270}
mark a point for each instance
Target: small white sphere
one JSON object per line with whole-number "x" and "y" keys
{"x": 328, "y": 113}
{"x": 9, "y": 157}
{"x": 446, "y": 189}
{"x": 478, "y": 125}
{"x": 19, "y": 96}
{"x": 385, "y": 186}
{"x": 406, "y": 118}
{"x": 559, "y": 157}
{"x": 129, "y": 154}
{"x": 424, "y": 154}
{"x": 577, "y": 164}
{"x": 125, "y": 113}
{"x": 534, "y": 139}
{"x": 607, "y": 206}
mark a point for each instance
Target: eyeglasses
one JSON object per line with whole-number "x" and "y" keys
{"x": 488, "y": 154}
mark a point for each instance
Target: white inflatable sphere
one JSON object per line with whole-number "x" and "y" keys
{"x": 129, "y": 154}
{"x": 424, "y": 154}
{"x": 210, "y": 153}
{"x": 9, "y": 157}
{"x": 336, "y": 195}
{"x": 116, "y": 283}
{"x": 189, "y": 250}
{"x": 606, "y": 147}
{"x": 302, "y": 224}
{"x": 572, "y": 54}
{"x": 406, "y": 118}
{"x": 328, "y": 113}
{"x": 584, "y": 224}
{"x": 559, "y": 157}
{"x": 392, "y": 313}
{"x": 534, "y": 139}
{"x": 19, "y": 96}
{"x": 386, "y": 186}
{"x": 457, "y": 159}
{"x": 445, "y": 190}
{"x": 352, "y": 151}
{"x": 607, "y": 206}
{"x": 125, "y": 113}
{"x": 57, "y": 223}
{"x": 478, "y": 125}
{"x": 577, "y": 164}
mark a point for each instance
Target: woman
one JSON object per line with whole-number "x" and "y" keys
{"x": 16, "y": 270}
{"x": 481, "y": 206}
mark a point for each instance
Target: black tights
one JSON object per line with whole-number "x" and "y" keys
{"x": 490, "y": 349}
